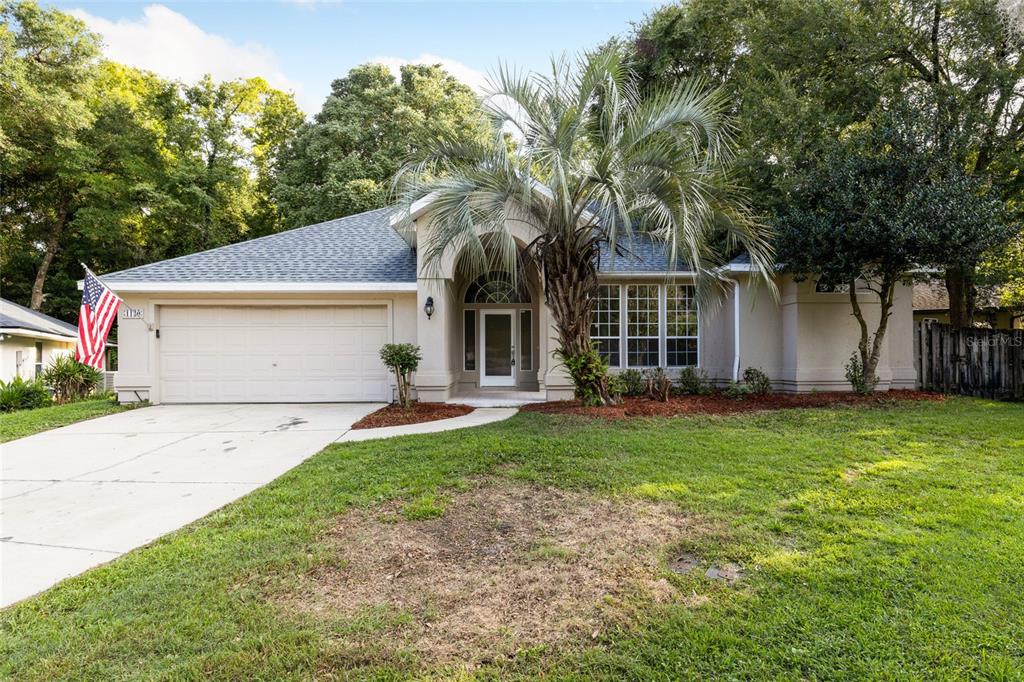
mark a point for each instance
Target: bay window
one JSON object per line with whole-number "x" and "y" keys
{"x": 646, "y": 325}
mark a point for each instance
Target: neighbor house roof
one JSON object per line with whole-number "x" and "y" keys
{"x": 933, "y": 295}
{"x": 14, "y": 317}
{"x": 360, "y": 249}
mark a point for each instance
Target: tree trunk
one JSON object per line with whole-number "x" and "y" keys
{"x": 52, "y": 246}
{"x": 962, "y": 295}
{"x": 570, "y": 285}
{"x": 870, "y": 346}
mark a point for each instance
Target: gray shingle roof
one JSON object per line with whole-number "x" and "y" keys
{"x": 356, "y": 248}
{"x": 14, "y": 316}
{"x": 639, "y": 253}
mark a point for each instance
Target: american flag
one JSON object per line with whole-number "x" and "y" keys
{"x": 97, "y": 314}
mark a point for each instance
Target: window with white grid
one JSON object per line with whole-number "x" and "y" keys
{"x": 604, "y": 323}
{"x": 642, "y": 325}
{"x": 680, "y": 325}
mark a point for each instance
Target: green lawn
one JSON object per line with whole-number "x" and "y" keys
{"x": 26, "y": 422}
{"x": 876, "y": 544}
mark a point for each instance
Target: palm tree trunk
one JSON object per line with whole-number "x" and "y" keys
{"x": 570, "y": 286}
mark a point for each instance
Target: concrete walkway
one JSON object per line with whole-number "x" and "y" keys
{"x": 76, "y": 497}
{"x": 477, "y": 417}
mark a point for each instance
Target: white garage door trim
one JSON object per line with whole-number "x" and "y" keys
{"x": 273, "y": 352}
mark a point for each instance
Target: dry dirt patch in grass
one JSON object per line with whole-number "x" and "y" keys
{"x": 506, "y": 566}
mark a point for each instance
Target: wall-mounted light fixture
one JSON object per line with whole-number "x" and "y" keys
{"x": 428, "y": 307}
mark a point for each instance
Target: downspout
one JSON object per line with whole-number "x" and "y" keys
{"x": 735, "y": 329}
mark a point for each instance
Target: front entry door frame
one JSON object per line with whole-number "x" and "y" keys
{"x": 512, "y": 378}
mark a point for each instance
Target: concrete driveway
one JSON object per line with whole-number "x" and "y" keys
{"x": 79, "y": 496}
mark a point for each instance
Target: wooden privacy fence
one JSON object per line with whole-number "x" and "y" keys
{"x": 987, "y": 363}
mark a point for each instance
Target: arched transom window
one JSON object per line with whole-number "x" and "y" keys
{"x": 496, "y": 287}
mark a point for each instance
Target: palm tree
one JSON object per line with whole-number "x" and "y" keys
{"x": 584, "y": 160}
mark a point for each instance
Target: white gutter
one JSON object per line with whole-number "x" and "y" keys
{"x": 32, "y": 334}
{"x": 259, "y": 287}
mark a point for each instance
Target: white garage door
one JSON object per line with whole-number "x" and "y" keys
{"x": 214, "y": 354}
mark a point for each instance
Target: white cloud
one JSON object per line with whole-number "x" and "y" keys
{"x": 467, "y": 74}
{"x": 169, "y": 44}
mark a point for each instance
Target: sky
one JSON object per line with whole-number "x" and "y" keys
{"x": 302, "y": 45}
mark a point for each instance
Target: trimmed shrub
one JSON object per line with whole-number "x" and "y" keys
{"x": 18, "y": 394}
{"x": 403, "y": 359}
{"x": 693, "y": 381}
{"x": 757, "y": 381}
{"x": 633, "y": 382}
{"x": 70, "y": 379}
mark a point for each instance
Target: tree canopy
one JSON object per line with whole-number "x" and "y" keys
{"x": 343, "y": 161}
{"x": 114, "y": 167}
{"x": 802, "y": 74}
{"x": 885, "y": 201}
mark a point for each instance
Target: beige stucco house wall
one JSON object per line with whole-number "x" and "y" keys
{"x": 803, "y": 339}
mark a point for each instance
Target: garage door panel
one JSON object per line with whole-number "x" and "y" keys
{"x": 377, "y": 315}
{"x": 273, "y": 353}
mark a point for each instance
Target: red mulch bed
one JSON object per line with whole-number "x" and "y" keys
{"x": 395, "y": 415}
{"x": 717, "y": 403}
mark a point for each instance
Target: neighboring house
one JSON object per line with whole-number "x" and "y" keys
{"x": 301, "y": 316}
{"x": 931, "y": 302}
{"x": 30, "y": 339}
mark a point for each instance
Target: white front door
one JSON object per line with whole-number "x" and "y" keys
{"x": 498, "y": 348}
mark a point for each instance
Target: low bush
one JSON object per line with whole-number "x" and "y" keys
{"x": 736, "y": 390}
{"x": 403, "y": 359}
{"x": 757, "y": 381}
{"x": 860, "y": 382}
{"x": 590, "y": 377}
{"x": 70, "y": 379}
{"x": 659, "y": 385}
{"x": 616, "y": 387}
{"x": 633, "y": 382}
{"x": 693, "y": 381}
{"x": 18, "y": 394}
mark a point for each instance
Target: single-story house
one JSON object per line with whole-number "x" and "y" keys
{"x": 30, "y": 339}
{"x": 931, "y": 302}
{"x": 301, "y": 315}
